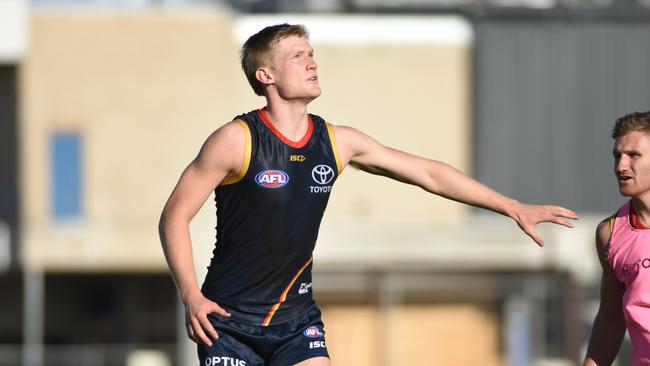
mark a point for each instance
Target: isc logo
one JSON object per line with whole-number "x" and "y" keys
{"x": 312, "y": 332}
{"x": 272, "y": 178}
{"x": 317, "y": 344}
{"x": 299, "y": 158}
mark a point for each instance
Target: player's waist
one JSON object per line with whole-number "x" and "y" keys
{"x": 266, "y": 314}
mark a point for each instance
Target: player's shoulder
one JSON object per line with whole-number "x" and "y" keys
{"x": 353, "y": 140}
{"x": 342, "y": 128}
{"x": 604, "y": 231}
{"x": 229, "y": 132}
{"x": 229, "y": 139}
{"x": 348, "y": 133}
{"x": 234, "y": 127}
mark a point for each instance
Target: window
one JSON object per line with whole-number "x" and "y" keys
{"x": 65, "y": 191}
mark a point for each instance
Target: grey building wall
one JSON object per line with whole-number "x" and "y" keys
{"x": 547, "y": 94}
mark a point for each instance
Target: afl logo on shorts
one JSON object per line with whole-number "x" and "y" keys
{"x": 272, "y": 179}
{"x": 312, "y": 332}
{"x": 322, "y": 174}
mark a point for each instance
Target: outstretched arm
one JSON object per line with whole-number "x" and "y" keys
{"x": 363, "y": 152}
{"x": 221, "y": 156}
{"x": 609, "y": 325}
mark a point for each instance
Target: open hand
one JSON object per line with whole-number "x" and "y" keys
{"x": 199, "y": 328}
{"x": 528, "y": 216}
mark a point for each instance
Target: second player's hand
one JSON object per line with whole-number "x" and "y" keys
{"x": 197, "y": 324}
{"x": 528, "y": 216}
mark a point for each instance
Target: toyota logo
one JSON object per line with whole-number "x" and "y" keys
{"x": 322, "y": 174}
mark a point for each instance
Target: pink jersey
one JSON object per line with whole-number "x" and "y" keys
{"x": 629, "y": 256}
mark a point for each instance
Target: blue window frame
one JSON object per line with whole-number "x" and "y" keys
{"x": 65, "y": 165}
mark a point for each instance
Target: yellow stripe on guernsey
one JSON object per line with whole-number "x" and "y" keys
{"x": 335, "y": 147}
{"x": 612, "y": 222}
{"x": 283, "y": 297}
{"x": 247, "y": 157}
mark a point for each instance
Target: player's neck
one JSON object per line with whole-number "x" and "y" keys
{"x": 641, "y": 208}
{"x": 291, "y": 119}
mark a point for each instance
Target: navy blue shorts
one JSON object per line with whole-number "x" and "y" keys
{"x": 282, "y": 344}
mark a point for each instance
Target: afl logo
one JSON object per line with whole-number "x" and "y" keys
{"x": 312, "y": 332}
{"x": 272, "y": 179}
{"x": 322, "y": 174}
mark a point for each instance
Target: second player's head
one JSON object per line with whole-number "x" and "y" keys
{"x": 631, "y": 152}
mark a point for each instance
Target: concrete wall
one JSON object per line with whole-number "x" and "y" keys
{"x": 412, "y": 335}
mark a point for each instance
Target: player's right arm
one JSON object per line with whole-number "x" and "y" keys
{"x": 220, "y": 156}
{"x": 609, "y": 326}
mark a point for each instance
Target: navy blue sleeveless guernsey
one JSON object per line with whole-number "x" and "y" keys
{"x": 268, "y": 218}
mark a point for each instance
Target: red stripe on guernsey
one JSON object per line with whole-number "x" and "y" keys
{"x": 636, "y": 222}
{"x": 294, "y": 144}
{"x": 283, "y": 297}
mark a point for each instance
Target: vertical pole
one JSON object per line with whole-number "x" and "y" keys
{"x": 33, "y": 319}
{"x": 390, "y": 296}
{"x": 517, "y": 331}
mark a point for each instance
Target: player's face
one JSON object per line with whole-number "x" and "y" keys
{"x": 294, "y": 69}
{"x": 632, "y": 164}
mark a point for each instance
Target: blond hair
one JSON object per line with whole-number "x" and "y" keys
{"x": 255, "y": 52}
{"x": 638, "y": 121}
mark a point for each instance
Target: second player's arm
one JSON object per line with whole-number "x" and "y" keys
{"x": 221, "y": 155}
{"x": 609, "y": 326}
{"x": 363, "y": 152}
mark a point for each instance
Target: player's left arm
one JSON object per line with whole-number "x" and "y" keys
{"x": 365, "y": 153}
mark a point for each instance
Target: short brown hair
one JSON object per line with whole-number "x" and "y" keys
{"x": 638, "y": 121}
{"x": 255, "y": 51}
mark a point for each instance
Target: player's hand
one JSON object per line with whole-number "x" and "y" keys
{"x": 198, "y": 327}
{"x": 528, "y": 216}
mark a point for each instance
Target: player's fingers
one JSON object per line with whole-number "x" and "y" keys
{"x": 191, "y": 333}
{"x": 558, "y": 220}
{"x": 219, "y": 310}
{"x": 200, "y": 334}
{"x": 188, "y": 327}
{"x": 207, "y": 326}
{"x": 568, "y": 214}
{"x": 563, "y": 212}
{"x": 536, "y": 237}
{"x": 564, "y": 223}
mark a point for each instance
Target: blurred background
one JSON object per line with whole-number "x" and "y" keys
{"x": 104, "y": 102}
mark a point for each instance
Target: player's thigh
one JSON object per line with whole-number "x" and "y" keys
{"x": 228, "y": 351}
{"x": 316, "y": 361}
{"x": 301, "y": 341}
{"x": 235, "y": 346}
